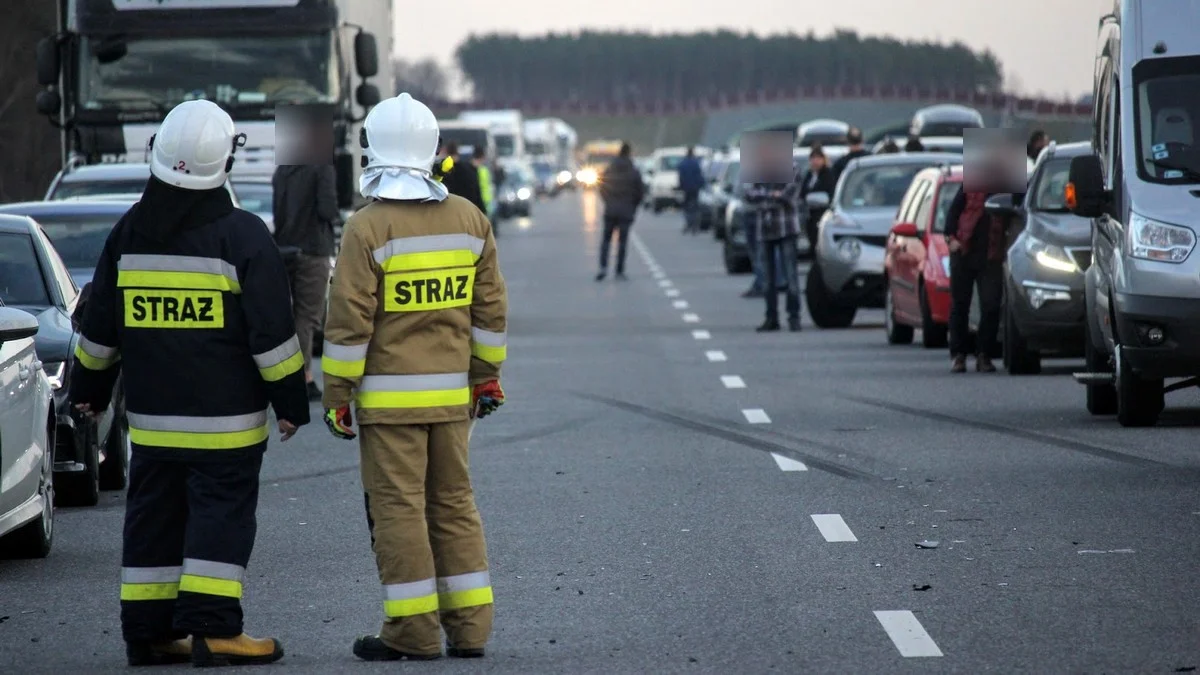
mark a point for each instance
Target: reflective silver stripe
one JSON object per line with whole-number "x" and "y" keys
{"x": 278, "y": 355}
{"x": 428, "y": 243}
{"x": 414, "y": 382}
{"x": 213, "y": 570}
{"x": 344, "y": 352}
{"x": 464, "y": 582}
{"x": 96, "y": 349}
{"x": 197, "y": 424}
{"x": 150, "y": 575}
{"x": 411, "y": 590}
{"x": 487, "y": 337}
{"x": 131, "y": 262}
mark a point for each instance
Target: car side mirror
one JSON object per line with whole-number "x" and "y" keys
{"x": 1084, "y": 193}
{"x": 817, "y": 200}
{"x": 16, "y": 324}
{"x": 1001, "y": 205}
{"x": 366, "y": 55}
{"x": 905, "y": 230}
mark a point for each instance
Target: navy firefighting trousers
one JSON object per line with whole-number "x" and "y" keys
{"x": 189, "y": 531}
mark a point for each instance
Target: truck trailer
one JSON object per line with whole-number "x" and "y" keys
{"x": 508, "y": 131}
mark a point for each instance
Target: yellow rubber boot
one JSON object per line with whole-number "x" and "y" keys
{"x": 159, "y": 653}
{"x": 242, "y": 650}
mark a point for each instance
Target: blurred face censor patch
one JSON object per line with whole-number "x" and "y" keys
{"x": 429, "y": 290}
{"x": 162, "y": 308}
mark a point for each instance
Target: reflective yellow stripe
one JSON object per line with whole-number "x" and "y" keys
{"x": 182, "y": 280}
{"x": 160, "y": 591}
{"x": 331, "y": 366}
{"x": 91, "y": 362}
{"x": 281, "y": 361}
{"x": 414, "y": 399}
{"x": 226, "y": 588}
{"x": 406, "y": 262}
{"x": 191, "y": 440}
{"x": 489, "y": 354}
{"x": 462, "y": 599}
{"x": 277, "y": 372}
{"x": 411, "y": 607}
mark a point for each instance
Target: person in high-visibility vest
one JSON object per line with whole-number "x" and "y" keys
{"x": 444, "y": 162}
{"x": 486, "y": 188}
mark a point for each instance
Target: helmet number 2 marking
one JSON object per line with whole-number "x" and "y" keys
{"x": 182, "y": 166}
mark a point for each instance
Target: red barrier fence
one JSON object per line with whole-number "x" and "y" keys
{"x": 997, "y": 102}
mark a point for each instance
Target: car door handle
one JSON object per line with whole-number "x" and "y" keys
{"x": 23, "y": 372}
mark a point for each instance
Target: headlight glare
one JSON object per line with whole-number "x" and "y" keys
{"x": 1049, "y": 255}
{"x": 1152, "y": 240}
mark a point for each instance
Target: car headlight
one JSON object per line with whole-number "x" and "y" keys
{"x": 1152, "y": 240}
{"x": 56, "y": 372}
{"x": 849, "y": 249}
{"x": 587, "y": 176}
{"x": 524, "y": 193}
{"x": 564, "y": 177}
{"x": 1049, "y": 255}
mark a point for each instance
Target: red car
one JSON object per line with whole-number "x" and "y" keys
{"x": 917, "y": 262}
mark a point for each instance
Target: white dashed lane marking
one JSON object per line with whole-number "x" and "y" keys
{"x": 907, "y": 634}
{"x": 681, "y": 304}
{"x": 788, "y": 464}
{"x": 756, "y": 416}
{"x": 701, "y": 335}
{"x": 691, "y": 318}
{"x": 715, "y": 355}
{"x": 665, "y": 283}
{"x": 732, "y": 382}
{"x": 833, "y": 527}
{"x": 672, "y": 292}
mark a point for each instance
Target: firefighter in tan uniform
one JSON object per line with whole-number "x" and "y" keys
{"x": 414, "y": 338}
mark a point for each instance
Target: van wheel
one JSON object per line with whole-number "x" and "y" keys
{"x": 1018, "y": 358}
{"x": 933, "y": 334}
{"x": 1101, "y": 398}
{"x": 35, "y": 538}
{"x": 824, "y": 310}
{"x": 1139, "y": 401}
{"x": 897, "y": 333}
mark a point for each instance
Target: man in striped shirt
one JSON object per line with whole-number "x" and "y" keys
{"x": 774, "y": 201}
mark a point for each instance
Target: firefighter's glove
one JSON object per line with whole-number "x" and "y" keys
{"x": 486, "y": 397}
{"x": 340, "y": 423}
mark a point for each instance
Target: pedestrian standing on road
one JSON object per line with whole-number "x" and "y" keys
{"x": 976, "y": 242}
{"x": 818, "y": 180}
{"x": 1037, "y": 141}
{"x": 463, "y": 179}
{"x": 190, "y": 305}
{"x": 305, "y": 208}
{"x": 691, "y": 181}
{"x": 855, "y": 138}
{"x": 416, "y": 338}
{"x": 622, "y": 190}
{"x": 487, "y": 189}
{"x": 774, "y": 201}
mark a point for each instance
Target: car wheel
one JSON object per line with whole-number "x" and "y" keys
{"x": 1018, "y": 358}
{"x": 933, "y": 334}
{"x": 1139, "y": 401}
{"x": 1101, "y": 398}
{"x": 734, "y": 264}
{"x": 897, "y": 333}
{"x": 36, "y": 538}
{"x": 114, "y": 472}
{"x": 824, "y": 310}
{"x": 82, "y": 488}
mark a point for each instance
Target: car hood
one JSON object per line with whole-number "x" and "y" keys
{"x": 53, "y": 339}
{"x": 1064, "y": 229}
{"x": 871, "y": 220}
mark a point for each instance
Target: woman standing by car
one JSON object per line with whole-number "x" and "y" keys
{"x": 819, "y": 178}
{"x": 976, "y": 241}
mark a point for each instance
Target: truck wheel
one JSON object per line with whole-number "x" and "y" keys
{"x": 897, "y": 333}
{"x": 1139, "y": 401}
{"x": 1101, "y": 398}
{"x": 933, "y": 334}
{"x": 824, "y": 309}
{"x": 1018, "y": 358}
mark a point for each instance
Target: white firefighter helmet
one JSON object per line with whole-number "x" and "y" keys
{"x": 193, "y": 148}
{"x": 400, "y": 132}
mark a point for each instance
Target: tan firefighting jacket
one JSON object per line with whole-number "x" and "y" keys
{"x": 417, "y": 312}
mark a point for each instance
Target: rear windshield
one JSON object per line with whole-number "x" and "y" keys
{"x": 78, "y": 239}
{"x": 70, "y": 190}
{"x": 21, "y": 280}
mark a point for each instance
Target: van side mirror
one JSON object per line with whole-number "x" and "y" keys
{"x": 817, "y": 200}
{"x": 905, "y": 230}
{"x": 48, "y": 61}
{"x": 367, "y": 95}
{"x": 16, "y": 324}
{"x": 1084, "y": 194}
{"x": 48, "y": 102}
{"x": 366, "y": 55}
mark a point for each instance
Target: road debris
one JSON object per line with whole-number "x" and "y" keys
{"x": 925, "y": 543}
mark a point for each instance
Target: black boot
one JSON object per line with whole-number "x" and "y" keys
{"x": 372, "y": 648}
{"x": 600, "y": 276}
{"x": 794, "y": 324}
{"x": 165, "y": 653}
{"x": 769, "y": 326}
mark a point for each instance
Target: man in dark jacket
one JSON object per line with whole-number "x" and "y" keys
{"x": 463, "y": 179}
{"x": 691, "y": 181}
{"x": 855, "y": 138}
{"x": 774, "y": 202}
{"x": 819, "y": 179}
{"x": 622, "y": 190}
{"x": 306, "y": 211}
{"x": 976, "y": 240}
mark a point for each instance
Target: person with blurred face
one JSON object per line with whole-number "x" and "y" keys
{"x": 819, "y": 179}
{"x": 773, "y": 198}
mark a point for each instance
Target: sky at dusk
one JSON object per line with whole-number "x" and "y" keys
{"x": 1045, "y": 46}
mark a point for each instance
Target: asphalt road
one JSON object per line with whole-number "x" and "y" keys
{"x": 668, "y": 491}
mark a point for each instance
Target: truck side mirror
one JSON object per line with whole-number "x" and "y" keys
{"x": 49, "y": 102}
{"x": 110, "y": 50}
{"x": 343, "y": 165}
{"x": 367, "y": 95}
{"x": 1084, "y": 194}
{"x": 366, "y": 55}
{"x": 48, "y": 62}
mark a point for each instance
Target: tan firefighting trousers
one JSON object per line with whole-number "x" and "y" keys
{"x": 427, "y": 536}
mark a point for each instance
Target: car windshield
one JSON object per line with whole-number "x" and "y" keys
{"x": 669, "y": 162}
{"x": 535, "y": 147}
{"x": 157, "y": 73}
{"x": 21, "y": 279}
{"x": 946, "y": 194}
{"x": 1050, "y": 195}
{"x": 74, "y": 189}
{"x": 255, "y": 197}
{"x": 877, "y": 186}
{"x": 467, "y": 139}
{"x": 78, "y": 239}
{"x": 1167, "y": 113}
{"x": 506, "y": 145}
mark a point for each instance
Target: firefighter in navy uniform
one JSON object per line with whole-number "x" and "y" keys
{"x": 415, "y": 338}
{"x": 190, "y": 301}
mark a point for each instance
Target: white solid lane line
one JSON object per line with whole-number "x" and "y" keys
{"x": 732, "y": 382}
{"x": 756, "y": 416}
{"x": 665, "y": 283}
{"x": 701, "y": 335}
{"x": 907, "y": 633}
{"x": 672, "y": 292}
{"x": 788, "y": 464}
{"x": 691, "y": 318}
{"x": 681, "y": 304}
{"x": 715, "y": 356}
{"x": 833, "y": 527}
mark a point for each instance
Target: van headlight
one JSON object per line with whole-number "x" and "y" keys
{"x": 524, "y": 193}
{"x": 1049, "y": 255}
{"x": 1160, "y": 242}
{"x": 56, "y": 372}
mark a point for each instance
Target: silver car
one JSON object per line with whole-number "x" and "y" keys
{"x": 94, "y": 180}
{"x": 847, "y": 269}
